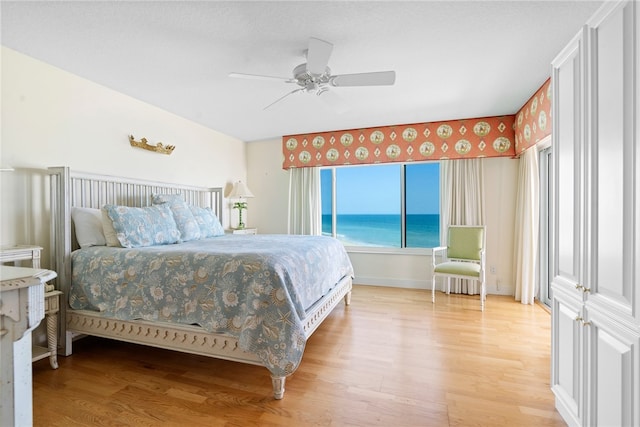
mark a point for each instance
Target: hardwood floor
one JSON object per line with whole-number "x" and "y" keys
{"x": 391, "y": 358}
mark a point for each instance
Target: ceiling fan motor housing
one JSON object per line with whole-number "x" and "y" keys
{"x": 312, "y": 82}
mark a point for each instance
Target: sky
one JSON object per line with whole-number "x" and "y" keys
{"x": 376, "y": 189}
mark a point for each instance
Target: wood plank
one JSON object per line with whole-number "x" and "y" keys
{"x": 390, "y": 358}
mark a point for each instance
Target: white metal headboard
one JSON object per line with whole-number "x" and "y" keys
{"x": 79, "y": 189}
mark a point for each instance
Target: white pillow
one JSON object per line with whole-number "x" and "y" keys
{"x": 88, "y": 226}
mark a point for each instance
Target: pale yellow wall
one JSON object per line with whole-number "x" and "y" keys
{"x": 270, "y": 184}
{"x": 268, "y": 212}
{"x": 52, "y": 118}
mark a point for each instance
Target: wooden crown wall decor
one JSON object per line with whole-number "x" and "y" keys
{"x": 158, "y": 148}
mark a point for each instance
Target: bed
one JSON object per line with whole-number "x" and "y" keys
{"x": 250, "y": 299}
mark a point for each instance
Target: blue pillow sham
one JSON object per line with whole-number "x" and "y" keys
{"x": 146, "y": 226}
{"x": 189, "y": 228}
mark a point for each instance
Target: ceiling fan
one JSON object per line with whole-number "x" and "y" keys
{"x": 315, "y": 76}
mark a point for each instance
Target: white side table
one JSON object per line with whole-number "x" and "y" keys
{"x": 242, "y": 231}
{"x": 51, "y": 300}
{"x": 19, "y": 253}
{"x": 22, "y": 295}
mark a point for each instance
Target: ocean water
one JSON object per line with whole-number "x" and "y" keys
{"x": 423, "y": 230}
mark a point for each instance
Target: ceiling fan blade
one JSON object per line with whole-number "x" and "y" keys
{"x": 283, "y": 97}
{"x": 318, "y": 55}
{"x": 334, "y": 101}
{"x": 259, "y": 77}
{"x": 376, "y": 78}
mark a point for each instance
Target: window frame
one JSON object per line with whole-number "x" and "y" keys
{"x": 545, "y": 157}
{"x": 403, "y": 232}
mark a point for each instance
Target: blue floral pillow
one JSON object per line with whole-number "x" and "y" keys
{"x": 148, "y": 226}
{"x": 208, "y": 221}
{"x": 189, "y": 228}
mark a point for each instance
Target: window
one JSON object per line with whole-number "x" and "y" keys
{"x": 390, "y": 205}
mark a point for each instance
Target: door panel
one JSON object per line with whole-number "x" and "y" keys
{"x": 566, "y": 365}
{"x": 567, "y": 160}
{"x": 613, "y": 158}
{"x": 613, "y": 362}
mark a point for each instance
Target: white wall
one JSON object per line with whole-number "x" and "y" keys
{"x": 52, "y": 118}
{"x": 268, "y": 210}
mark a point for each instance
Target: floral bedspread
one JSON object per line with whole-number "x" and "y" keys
{"x": 255, "y": 288}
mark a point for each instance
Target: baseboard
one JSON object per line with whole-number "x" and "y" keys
{"x": 419, "y": 284}
{"x": 567, "y": 414}
{"x": 392, "y": 283}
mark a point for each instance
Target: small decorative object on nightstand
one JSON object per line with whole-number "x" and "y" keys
{"x": 243, "y": 231}
{"x": 240, "y": 191}
{"x": 51, "y": 300}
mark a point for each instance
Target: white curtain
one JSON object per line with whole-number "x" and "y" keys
{"x": 304, "y": 201}
{"x": 527, "y": 226}
{"x": 461, "y": 203}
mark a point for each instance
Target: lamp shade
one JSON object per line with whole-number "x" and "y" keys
{"x": 240, "y": 190}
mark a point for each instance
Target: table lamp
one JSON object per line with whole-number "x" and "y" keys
{"x": 240, "y": 191}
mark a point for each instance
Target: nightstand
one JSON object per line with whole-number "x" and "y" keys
{"x": 242, "y": 231}
{"x": 22, "y": 295}
{"x": 21, "y": 252}
{"x": 51, "y": 300}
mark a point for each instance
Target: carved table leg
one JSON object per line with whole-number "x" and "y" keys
{"x": 278, "y": 387}
{"x": 52, "y": 339}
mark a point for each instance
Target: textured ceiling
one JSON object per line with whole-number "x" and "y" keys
{"x": 455, "y": 59}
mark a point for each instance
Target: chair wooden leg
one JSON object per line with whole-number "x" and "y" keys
{"x": 433, "y": 289}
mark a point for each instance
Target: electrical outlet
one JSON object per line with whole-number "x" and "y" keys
{"x": 492, "y": 269}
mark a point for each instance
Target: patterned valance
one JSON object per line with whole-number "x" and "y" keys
{"x": 451, "y": 139}
{"x": 533, "y": 121}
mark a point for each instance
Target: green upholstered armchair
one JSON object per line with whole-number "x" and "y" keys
{"x": 465, "y": 258}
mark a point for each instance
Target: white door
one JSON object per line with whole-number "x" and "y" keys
{"x": 567, "y": 231}
{"x": 613, "y": 343}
